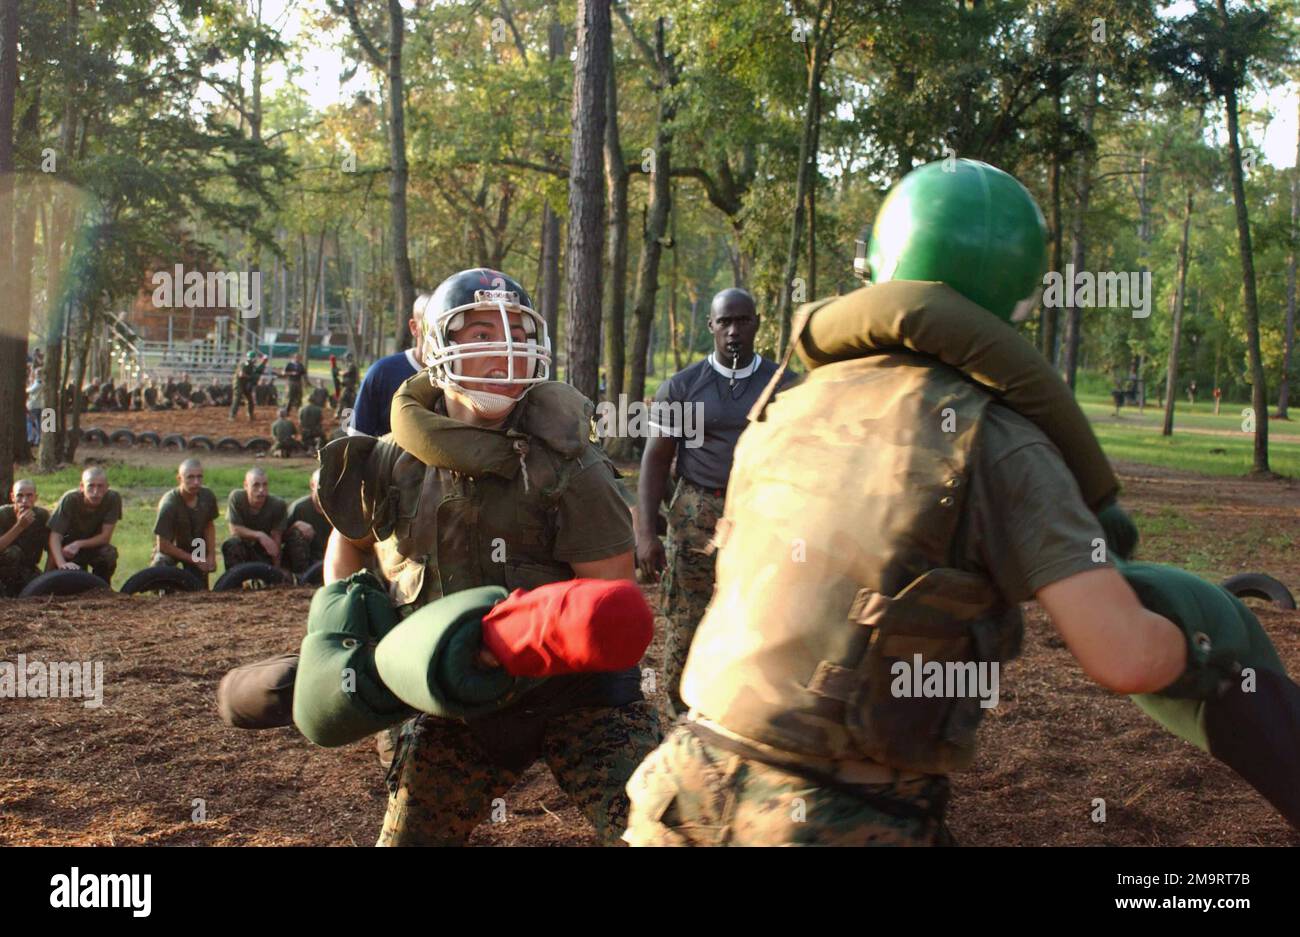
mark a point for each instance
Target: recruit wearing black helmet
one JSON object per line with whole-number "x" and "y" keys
{"x": 528, "y": 362}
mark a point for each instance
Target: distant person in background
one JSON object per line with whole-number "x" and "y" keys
{"x": 334, "y": 375}
{"x": 185, "y": 531}
{"x": 286, "y": 435}
{"x": 347, "y": 386}
{"x": 374, "y": 401}
{"x": 35, "y": 391}
{"x": 310, "y": 419}
{"x": 245, "y": 383}
{"x": 294, "y": 373}
{"x": 81, "y": 528}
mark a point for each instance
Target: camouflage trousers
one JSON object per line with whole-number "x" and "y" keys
{"x": 443, "y": 781}
{"x": 14, "y": 571}
{"x": 688, "y": 579}
{"x": 693, "y": 793}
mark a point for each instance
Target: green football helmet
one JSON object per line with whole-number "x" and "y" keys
{"x": 964, "y": 223}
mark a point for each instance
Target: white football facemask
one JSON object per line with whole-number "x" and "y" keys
{"x": 528, "y": 362}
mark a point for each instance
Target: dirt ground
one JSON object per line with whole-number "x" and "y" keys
{"x": 213, "y": 422}
{"x": 135, "y": 770}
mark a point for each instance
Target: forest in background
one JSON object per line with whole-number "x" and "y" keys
{"x": 627, "y": 160}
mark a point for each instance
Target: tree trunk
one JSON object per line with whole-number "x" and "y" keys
{"x": 13, "y": 322}
{"x": 1049, "y": 319}
{"x": 1078, "y": 239}
{"x": 616, "y": 178}
{"x": 550, "y": 221}
{"x": 654, "y": 225}
{"x": 304, "y": 317}
{"x": 1288, "y": 337}
{"x": 587, "y": 197}
{"x": 821, "y": 42}
{"x": 403, "y": 280}
{"x": 1171, "y": 378}
{"x": 1250, "y": 310}
{"x": 673, "y": 341}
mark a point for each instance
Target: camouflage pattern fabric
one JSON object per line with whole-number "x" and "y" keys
{"x": 299, "y": 552}
{"x": 691, "y": 793}
{"x": 102, "y": 561}
{"x": 15, "y": 572}
{"x": 687, "y": 581}
{"x": 443, "y": 783}
{"x": 236, "y": 550}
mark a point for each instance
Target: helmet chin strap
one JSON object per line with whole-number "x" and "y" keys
{"x": 484, "y": 403}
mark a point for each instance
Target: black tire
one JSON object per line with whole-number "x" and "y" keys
{"x": 62, "y": 582}
{"x": 173, "y": 441}
{"x": 164, "y": 579}
{"x": 94, "y": 435}
{"x": 200, "y": 442}
{"x": 148, "y": 437}
{"x": 236, "y": 577}
{"x": 314, "y": 575}
{"x": 122, "y": 437}
{"x": 1260, "y": 586}
{"x": 229, "y": 444}
{"x": 258, "y": 444}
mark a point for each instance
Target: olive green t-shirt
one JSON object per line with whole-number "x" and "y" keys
{"x": 32, "y": 541}
{"x": 304, "y": 509}
{"x": 283, "y": 430}
{"x": 181, "y": 524}
{"x": 310, "y": 417}
{"x": 268, "y": 520}
{"x": 592, "y": 519}
{"x": 76, "y": 520}
{"x": 1025, "y": 525}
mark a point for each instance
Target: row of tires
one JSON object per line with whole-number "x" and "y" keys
{"x": 166, "y": 580}
{"x": 126, "y": 438}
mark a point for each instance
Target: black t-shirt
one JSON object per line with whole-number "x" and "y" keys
{"x": 295, "y": 372}
{"x": 705, "y": 448}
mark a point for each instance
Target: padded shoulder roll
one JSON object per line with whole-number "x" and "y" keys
{"x": 934, "y": 320}
{"x": 339, "y": 697}
{"x": 430, "y": 659}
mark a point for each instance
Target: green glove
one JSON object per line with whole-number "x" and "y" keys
{"x": 338, "y": 696}
{"x": 430, "y": 660}
{"x": 1222, "y": 634}
{"x": 1234, "y": 700}
{"x": 1121, "y": 533}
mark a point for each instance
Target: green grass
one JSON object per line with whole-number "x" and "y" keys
{"x": 142, "y": 486}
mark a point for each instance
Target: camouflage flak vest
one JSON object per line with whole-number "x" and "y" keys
{"x": 441, "y": 531}
{"x": 839, "y": 529}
